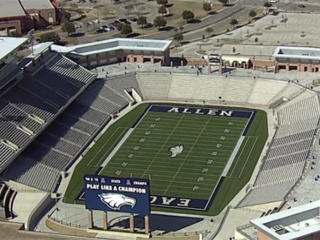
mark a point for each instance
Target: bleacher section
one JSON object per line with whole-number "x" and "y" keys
{"x": 271, "y": 193}
{"x": 286, "y": 157}
{"x": 56, "y": 148}
{"x": 154, "y": 86}
{"x": 30, "y": 105}
{"x": 209, "y": 88}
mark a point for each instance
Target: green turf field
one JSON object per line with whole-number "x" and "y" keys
{"x": 207, "y": 142}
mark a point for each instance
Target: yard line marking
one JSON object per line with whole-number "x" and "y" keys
{"x": 235, "y": 166}
{"x": 108, "y": 148}
{"x": 256, "y": 138}
{"x": 187, "y": 156}
{"x": 162, "y": 146}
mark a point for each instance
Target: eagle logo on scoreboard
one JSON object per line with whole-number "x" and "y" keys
{"x": 115, "y": 201}
{"x": 175, "y": 151}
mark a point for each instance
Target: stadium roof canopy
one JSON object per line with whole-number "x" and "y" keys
{"x": 305, "y": 53}
{"x": 8, "y": 44}
{"x": 115, "y": 44}
{"x": 290, "y": 224}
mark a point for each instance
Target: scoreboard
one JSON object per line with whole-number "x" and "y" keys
{"x": 130, "y": 195}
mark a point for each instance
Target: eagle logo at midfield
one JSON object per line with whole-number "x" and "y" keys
{"x": 176, "y": 150}
{"x": 115, "y": 200}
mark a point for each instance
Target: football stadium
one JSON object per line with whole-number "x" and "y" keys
{"x": 209, "y": 147}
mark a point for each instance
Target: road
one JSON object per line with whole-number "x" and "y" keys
{"x": 212, "y": 19}
{"x": 217, "y": 27}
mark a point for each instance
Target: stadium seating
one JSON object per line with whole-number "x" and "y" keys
{"x": 182, "y": 87}
{"x": 60, "y": 143}
{"x": 238, "y": 90}
{"x": 154, "y": 86}
{"x": 29, "y": 105}
{"x": 259, "y": 94}
{"x": 210, "y": 88}
{"x": 286, "y": 159}
{"x": 267, "y": 194}
{"x": 120, "y": 84}
{"x": 6, "y": 153}
{"x": 34, "y": 174}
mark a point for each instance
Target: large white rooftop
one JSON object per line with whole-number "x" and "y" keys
{"x": 114, "y": 44}
{"x": 297, "y": 53}
{"x": 8, "y": 44}
{"x": 291, "y": 224}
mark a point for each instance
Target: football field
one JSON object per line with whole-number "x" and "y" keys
{"x": 185, "y": 156}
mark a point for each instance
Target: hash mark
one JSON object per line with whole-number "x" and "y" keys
{"x": 124, "y": 164}
{"x": 200, "y": 179}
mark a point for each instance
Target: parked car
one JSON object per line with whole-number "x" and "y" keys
{"x": 133, "y": 19}
{"x": 100, "y": 30}
{"x": 301, "y": 6}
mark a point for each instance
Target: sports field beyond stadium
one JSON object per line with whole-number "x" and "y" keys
{"x": 195, "y": 159}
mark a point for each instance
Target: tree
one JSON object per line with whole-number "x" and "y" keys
{"x": 162, "y": 10}
{"x": 206, "y": 6}
{"x": 162, "y": 2}
{"x": 187, "y": 15}
{"x": 119, "y": 26}
{"x": 209, "y": 30}
{"x": 159, "y": 22}
{"x": 178, "y": 37}
{"x": 224, "y": 2}
{"x": 68, "y": 27}
{"x": 50, "y": 37}
{"x": 233, "y": 22}
{"x": 267, "y": 4}
{"x": 126, "y": 29}
{"x": 142, "y": 21}
{"x": 252, "y": 13}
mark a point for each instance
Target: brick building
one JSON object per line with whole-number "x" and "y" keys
{"x": 301, "y": 59}
{"x": 117, "y": 50}
{"x": 22, "y": 15}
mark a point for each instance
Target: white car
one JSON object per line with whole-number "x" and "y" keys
{"x": 273, "y": 1}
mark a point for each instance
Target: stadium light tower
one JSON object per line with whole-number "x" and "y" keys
{"x": 31, "y": 39}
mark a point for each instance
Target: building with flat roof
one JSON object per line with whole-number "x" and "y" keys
{"x": 301, "y": 222}
{"x": 117, "y": 50}
{"x": 301, "y": 59}
{"x": 247, "y": 56}
{"x": 9, "y": 47}
{"x": 22, "y": 15}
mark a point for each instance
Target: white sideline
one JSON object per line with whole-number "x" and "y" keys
{"x": 233, "y": 156}
{"x": 117, "y": 147}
